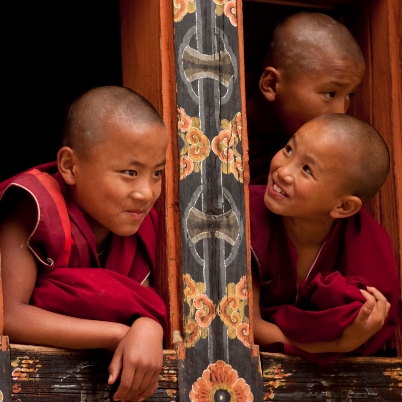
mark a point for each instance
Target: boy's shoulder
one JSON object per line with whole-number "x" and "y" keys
{"x": 46, "y": 168}
{"x": 364, "y": 223}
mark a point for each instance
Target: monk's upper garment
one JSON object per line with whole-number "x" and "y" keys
{"x": 357, "y": 253}
{"x": 70, "y": 280}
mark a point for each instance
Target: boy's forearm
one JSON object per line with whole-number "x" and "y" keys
{"x": 266, "y": 333}
{"x": 31, "y": 325}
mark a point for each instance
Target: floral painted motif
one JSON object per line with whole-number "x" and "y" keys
{"x": 220, "y": 382}
{"x": 202, "y": 311}
{"x": 181, "y": 8}
{"x": 227, "y": 7}
{"x": 184, "y": 120}
{"x": 232, "y": 311}
{"x": 196, "y": 146}
{"x": 224, "y": 145}
{"x": 186, "y": 166}
{"x": 199, "y": 146}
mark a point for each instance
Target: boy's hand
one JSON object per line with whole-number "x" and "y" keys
{"x": 140, "y": 357}
{"x": 370, "y": 320}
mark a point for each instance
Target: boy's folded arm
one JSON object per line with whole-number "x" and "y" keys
{"x": 369, "y": 320}
{"x": 29, "y": 324}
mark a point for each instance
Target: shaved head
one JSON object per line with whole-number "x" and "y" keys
{"x": 91, "y": 111}
{"x": 366, "y": 154}
{"x": 306, "y": 42}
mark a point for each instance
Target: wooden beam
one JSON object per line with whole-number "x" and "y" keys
{"x": 51, "y": 374}
{"x": 371, "y": 379}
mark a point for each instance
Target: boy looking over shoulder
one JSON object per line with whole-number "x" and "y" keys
{"x": 313, "y": 67}
{"x": 325, "y": 278}
{"x": 78, "y": 240}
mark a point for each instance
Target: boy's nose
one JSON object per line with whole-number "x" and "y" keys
{"x": 339, "y": 106}
{"x": 284, "y": 175}
{"x": 143, "y": 192}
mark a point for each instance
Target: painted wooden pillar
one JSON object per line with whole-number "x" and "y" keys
{"x": 5, "y": 386}
{"x": 218, "y": 361}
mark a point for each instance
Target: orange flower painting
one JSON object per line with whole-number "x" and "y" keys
{"x": 220, "y": 382}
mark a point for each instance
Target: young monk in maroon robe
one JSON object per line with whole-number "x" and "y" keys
{"x": 78, "y": 240}
{"x": 313, "y": 67}
{"x": 325, "y": 278}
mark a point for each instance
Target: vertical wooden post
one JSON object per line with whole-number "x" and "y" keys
{"x": 380, "y": 103}
{"x": 5, "y": 377}
{"x": 218, "y": 360}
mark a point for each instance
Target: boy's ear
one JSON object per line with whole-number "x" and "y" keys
{"x": 66, "y": 160}
{"x": 349, "y": 206}
{"x": 268, "y": 81}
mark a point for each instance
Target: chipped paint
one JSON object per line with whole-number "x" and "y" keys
{"x": 171, "y": 357}
{"x": 19, "y": 374}
{"x": 170, "y": 393}
{"x": 25, "y": 369}
{"x": 16, "y": 388}
{"x": 274, "y": 371}
{"x": 168, "y": 378}
{"x": 395, "y": 374}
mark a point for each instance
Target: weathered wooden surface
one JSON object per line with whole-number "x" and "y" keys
{"x": 50, "y": 374}
{"x": 348, "y": 379}
{"x": 5, "y": 391}
{"x": 219, "y": 362}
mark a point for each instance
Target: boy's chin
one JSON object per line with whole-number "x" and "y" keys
{"x": 126, "y": 231}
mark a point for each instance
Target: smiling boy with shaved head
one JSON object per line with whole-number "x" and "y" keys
{"x": 313, "y": 67}
{"x": 325, "y": 277}
{"x": 78, "y": 240}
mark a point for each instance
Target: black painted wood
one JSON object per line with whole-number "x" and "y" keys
{"x": 214, "y": 262}
{"x": 5, "y": 387}
{"x": 51, "y": 374}
{"x": 348, "y": 379}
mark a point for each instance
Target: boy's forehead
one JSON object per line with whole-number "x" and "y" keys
{"x": 315, "y": 134}
{"x": 115, "y": 132}
{"x": 328, "y": 70}
{"x": 323, "y": 137}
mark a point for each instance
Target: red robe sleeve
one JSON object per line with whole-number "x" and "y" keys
{"x": 356, "y": 253}
{"x": 70, "y": 280}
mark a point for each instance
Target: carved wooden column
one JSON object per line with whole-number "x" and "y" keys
{"x": 5, "y": 385}
{"x": 217, "y": 360}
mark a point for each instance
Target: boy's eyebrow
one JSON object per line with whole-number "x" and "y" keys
{"x": 137, "y": 163}
{"x": 309, "y": 159}
{"x": 339, "y": 83}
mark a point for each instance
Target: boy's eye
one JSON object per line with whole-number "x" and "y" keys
{"x": 329, "y": 95}
{"x": 288, "y": 149}
{"x": 307, "y": 170}
{"x": 130, "y": 172}
{"x": 159, "y": 173}
{"x": 350, "y": 96}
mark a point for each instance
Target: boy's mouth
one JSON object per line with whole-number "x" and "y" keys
{"x": 278, "y": 189}
{"x": 137, "y": 214}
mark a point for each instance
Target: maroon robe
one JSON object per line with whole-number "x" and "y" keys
{"x": 357, "y": 253}
{"x": 70, "y": 280}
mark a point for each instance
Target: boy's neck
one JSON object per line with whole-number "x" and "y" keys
{"x": 305, "y": 233}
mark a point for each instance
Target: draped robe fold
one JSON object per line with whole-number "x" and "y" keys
{"x": 70, "y": 280}
{"x": 357, "y": 253}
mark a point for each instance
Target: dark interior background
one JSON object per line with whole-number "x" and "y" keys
{"x": 53, "y": 51}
